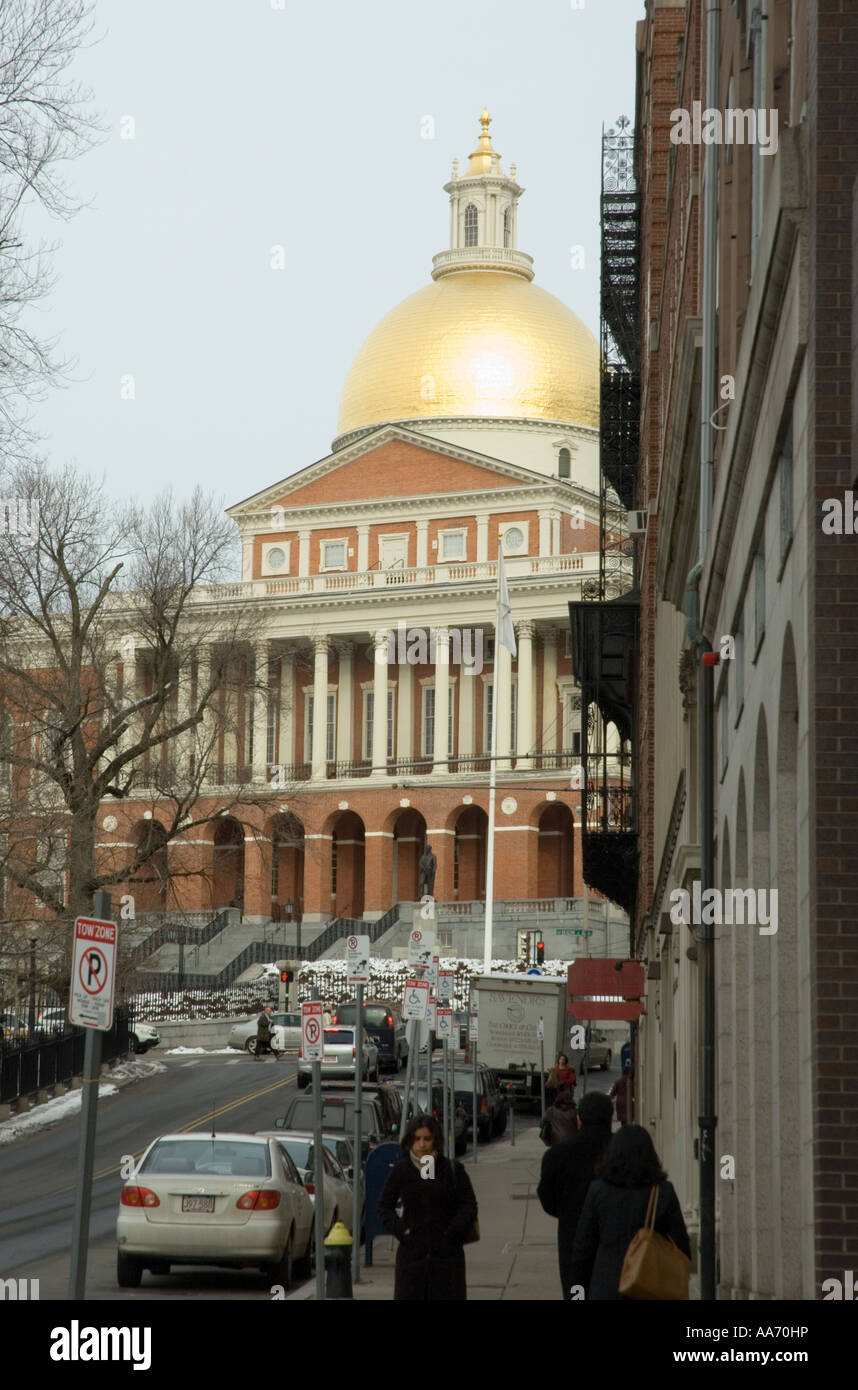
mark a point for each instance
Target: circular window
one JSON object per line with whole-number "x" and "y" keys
{"x": 514, "y": 538}
{"x": 276, "y": 558}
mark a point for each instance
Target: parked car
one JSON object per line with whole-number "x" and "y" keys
{"x": 214, "y": 1199}
{"x": 491, "y": 1102}
{"x": 142, "y": 1036}
{"x": 286, "y": 1028}
{"x": 338, "y": 1194}
{"x": 49, "y": 1019}
{"x": 340, "y": 1056}
{"x": 418, "y": 1105}
{"x": 598, "y": 1055}
{"x": 12, "y": 1025}
{"x": 387, "y": 1093}
{"x": 338, "y": 1117}
{"x": 384, "y": 1022}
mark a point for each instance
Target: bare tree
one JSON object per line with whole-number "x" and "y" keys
{"x": 124, "y": 665}
{"x": 44, "y": 122}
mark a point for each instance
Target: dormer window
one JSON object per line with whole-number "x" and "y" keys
{"x": 564, "y": 463}
{"x": 507, "y": 227}
{"x": 471, "y": 225}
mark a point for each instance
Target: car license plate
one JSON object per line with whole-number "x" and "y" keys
{"x": 332, "y": 1057}
{"x": 198, "y": 1204}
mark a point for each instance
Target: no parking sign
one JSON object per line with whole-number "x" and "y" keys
{"x": 312, "y": 1024}
{"x": 93, "y": 970}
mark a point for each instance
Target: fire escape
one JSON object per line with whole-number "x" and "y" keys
{"x": 605, "y": 622}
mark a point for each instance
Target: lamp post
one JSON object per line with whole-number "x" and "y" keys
{"x": 287, "y": 909}
{"x": 31, "y": 1012}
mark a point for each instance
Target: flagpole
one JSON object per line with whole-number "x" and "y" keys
{"x": 504, "y": 637}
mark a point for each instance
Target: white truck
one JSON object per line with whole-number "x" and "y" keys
{"x": 509, "y": 1008}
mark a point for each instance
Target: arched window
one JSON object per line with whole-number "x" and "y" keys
{"x": 507, "y": 227}
{"x": 471, "y": 225}
{"x": 564, "y": 459}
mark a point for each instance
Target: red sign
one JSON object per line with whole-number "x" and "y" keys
{"x": 587, "y": 978}
{"x": 628, "y": 1010}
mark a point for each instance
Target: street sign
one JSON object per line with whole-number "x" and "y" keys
{"x": 93, "y": 970}
{"x": 443, "y": 1023}
{"x": 432, "y": 1014}
{"x": 416, "y": 999}
{"x": 421, "y": 947}
{"x": 312, "y": 1025}
{"x": 473, "y": 1028}
{"x": 540, "y": 1029}
{"x": 445, "y": 984}
{"x": 432, "y": 975}
{"x": 534, "y": 972}
{"x": 357, "y": 959}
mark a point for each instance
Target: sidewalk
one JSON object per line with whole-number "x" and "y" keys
{"x": 516, "y": 1256}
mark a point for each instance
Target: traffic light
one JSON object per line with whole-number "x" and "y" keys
{"x": 287, "y": 976}
{"x": 540, "y": 952}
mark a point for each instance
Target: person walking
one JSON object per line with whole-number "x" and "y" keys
{"x": 560, "y": 1078}
{"x": 615, "y": 1209}
{"x": 561, "y": 1121}
{"x": 567, "y": 1171}
{"x": 263, "y": 1034}
{"x": 619, "y": 1093}
{"x": 438, "y": 1217}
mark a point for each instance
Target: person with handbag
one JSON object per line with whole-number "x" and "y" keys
{"x": 567, "y": 1171}
{"x": 439, "y": 1216}
{"x": 630, "y": 1196}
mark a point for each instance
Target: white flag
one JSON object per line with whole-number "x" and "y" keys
{"x": 505, "y": 634}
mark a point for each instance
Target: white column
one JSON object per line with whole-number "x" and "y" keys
{"x": 363, "y": 547}
{"x": 482, "y": 538}
{"x": 286, "y": 752}
{"x": 442, "y": 698}
{"x": 422, "y": 544}
{"x": 524, "y": 710}
{"x": 468, "y": 684}
{"x": 501, "y": 703}
{"x": 549, "y": 691}
{"x": 544, "y": 531}
{"x": 183, "y": 745}
{"x": 320, "y": 708}
{"x": 260, "y": 713}
{"x": 207, "y": 735}
{"x": 345, "y": 703}
{"x": 405, "y": 713}
{"x": 379, "y": 704}
{"x": 555, "y": 532}
{"x": 304, "y": 550}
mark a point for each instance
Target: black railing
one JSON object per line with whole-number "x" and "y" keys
{"x": 31, "y": 1065}
{"x": 171, "y": 932}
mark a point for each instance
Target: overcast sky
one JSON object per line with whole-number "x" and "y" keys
{"x": 256, "y": 126}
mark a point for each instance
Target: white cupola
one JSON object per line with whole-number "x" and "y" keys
{"x": 483, "y": 215}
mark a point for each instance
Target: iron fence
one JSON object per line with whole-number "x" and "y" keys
{"x": 29, "y": 1064}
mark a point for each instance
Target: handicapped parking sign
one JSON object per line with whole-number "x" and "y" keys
{"x": 416, "y": 999}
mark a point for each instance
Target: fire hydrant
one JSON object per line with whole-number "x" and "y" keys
{"x": 338, "y": 1262}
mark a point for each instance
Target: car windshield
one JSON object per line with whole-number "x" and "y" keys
{"x": 374, "y": 1015}
{"x": 226, "y": 1158}
{"x": 339, "y": 1037}
{"x": 464, "y": 1080}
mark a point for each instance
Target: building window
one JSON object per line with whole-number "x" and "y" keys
{"x": 452, "y": 544}
{"x": 333, "y": 555}
{"x": 471, "y": 225}
{"x": 507, "y": 227}
{"x": 786, "y": 499}
{"x": 271, "y": 732}
{"x": 515, "y": 539}
{"x": 330, "y": 733}
{"x": 759, "y": 595}
{"x": 275, "y": 558}
{"x": 564, "y": 463}
{"x": 489, "y": 714}
{"x": 428, "y": 720}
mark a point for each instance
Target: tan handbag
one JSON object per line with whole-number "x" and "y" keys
{"x": 654, "y": 1266}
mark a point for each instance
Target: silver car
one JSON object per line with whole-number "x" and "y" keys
{"x": 338, "y": 1062}
{"x": 337, "y": 1181}
{"x": 285, "y": 1033}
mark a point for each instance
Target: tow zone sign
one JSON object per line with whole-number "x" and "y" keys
{"x": 312, "y": 1025}
{"x": 93, "y": 972}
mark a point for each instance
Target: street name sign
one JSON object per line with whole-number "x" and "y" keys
{"x": 93, "y": 972}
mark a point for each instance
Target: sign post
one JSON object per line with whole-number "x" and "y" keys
{"x": 413, "y": 1011}
{"x": 91, "y": 1005}
{"x": 313, "y": 1048}
{"x": 356, "y": 1176}
{"x": 445, "y": 1027}
{"x": 472, "y": 1033}
{"x": 540, "y": 1033}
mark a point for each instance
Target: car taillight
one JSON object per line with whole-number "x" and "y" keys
{"x": 138, "y": 1197}
{"x": 354, "y": 1051}
{"x": 483, "y": 1105}
{"x": 389, "y": 1020}
{"x": 300, "y": 1053}
{"x": 261, "y": 1199}
{"x": 336, "y": 1018}
{"x": 310, "y": 1187}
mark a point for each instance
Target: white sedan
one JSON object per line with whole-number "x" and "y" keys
{"x": 214, "y": 1199}
{"x": 338, "y": 1190}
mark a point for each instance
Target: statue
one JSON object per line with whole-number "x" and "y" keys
{"x": 428, "y": 865}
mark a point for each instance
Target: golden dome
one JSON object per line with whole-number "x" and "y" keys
{"x": 475, "y": 343}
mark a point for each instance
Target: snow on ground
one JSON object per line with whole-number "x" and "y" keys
{"x": 62, "y": 1106}
{"x": 200, "y": 1051}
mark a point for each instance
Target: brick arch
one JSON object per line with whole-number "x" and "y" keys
{"x": 284, "y": 864}
{"x": 150, "y": 884}
{"x": 348, "y": 860}
{"x": 469, "y": 854}
{"x": 228, "y": 863}
{"x": 408, "y": 827}
{"x": 555, "y": 851}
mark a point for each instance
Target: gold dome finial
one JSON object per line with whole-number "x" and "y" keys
{"x": 483, "y": 158}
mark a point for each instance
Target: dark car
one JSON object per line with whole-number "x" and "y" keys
{"x": 386, "y": 1092}
{"x": 385, "y": 1025}
{"x": 459, "y": 1118}
{"x": 491, "y": 1102}
{"x": 338, "y": 1117}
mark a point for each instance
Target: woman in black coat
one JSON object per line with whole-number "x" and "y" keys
{"x": 615, "y": 1210}
{"x": 439, "y": 1211}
